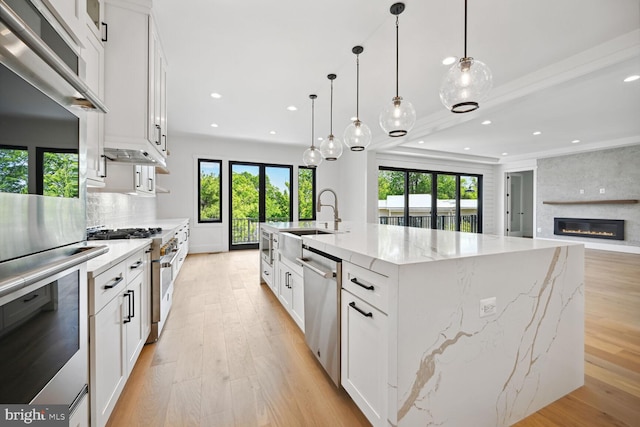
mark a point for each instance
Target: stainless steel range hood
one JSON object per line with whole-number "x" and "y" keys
{"x": 136, "y": 157}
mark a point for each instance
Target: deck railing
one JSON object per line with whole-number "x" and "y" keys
{"x": 468, "y": 223}
{"x": 245, "y": 230}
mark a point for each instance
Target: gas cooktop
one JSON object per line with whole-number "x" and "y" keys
{"x": 123, "y": 233}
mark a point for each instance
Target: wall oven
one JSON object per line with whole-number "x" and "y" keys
{"x": 43, "y": 326}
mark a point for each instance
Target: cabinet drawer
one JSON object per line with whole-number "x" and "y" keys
{"x": 106, "y": 286}
{"x": 372, "y": 287}
{"x": 134, "y": 265}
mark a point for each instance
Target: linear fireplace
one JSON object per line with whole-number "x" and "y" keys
{"x": 595, "y": 228}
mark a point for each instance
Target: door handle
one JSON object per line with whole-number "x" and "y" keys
{"x": 352, "y": 304}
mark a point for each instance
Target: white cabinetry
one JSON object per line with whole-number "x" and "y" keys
{"x": 364, "y": 340}
{"x": 70, "y": 13}
{"x": 119, "y": 324}
{"x": 183, "y": 234}
{"x": 133, "y": 179}
{"x": 93, "y": 57}
{"x": 291, "y": 289}
{"x": 95, "y": 12}
{"x": 134, "y": 80}
{"x": 80, "y": 416}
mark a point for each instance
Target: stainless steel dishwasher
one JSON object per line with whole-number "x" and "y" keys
{"x": 322, "y": 283}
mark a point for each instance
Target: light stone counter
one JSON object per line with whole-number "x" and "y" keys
{"x": 119, "y": 250}
{"x": 447, "y": 365}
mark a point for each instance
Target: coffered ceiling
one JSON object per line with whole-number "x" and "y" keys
{"x": 558, "y": 69}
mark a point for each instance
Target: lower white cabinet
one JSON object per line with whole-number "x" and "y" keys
{"x": 80, "y": 416}
{"x": 290, "y": 290}
{"x": 119, "y": 324}
{"x": 364, "y": 358}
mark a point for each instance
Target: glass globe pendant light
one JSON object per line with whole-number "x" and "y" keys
{"x": 357, "y": 135}
{"x": 331, "y": 148}
{"x": 397, "y": 118}
{"x": 311, "y": 156}
{"x": 467, "y": 82}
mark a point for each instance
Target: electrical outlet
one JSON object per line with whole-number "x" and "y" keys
{"x": 581, "y": 191}
{"x": 488, "y": 307}
{"x": 539, "y": 229}
{"x": 602, "y": 191}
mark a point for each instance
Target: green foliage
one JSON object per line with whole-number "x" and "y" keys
{"x": 13, "y": 170}
{"x": 60, "y": 174}
{"x": 419, "y": 183}
{"x": 305, "y": 193}
{"x": 277, "y": 201}
{"x": 469, "y": 187}
{"x": 390, "y": 183}
{"x": 446, "y": 187}
{"x": 210, "y": 197}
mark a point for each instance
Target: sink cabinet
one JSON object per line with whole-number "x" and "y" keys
{"x": 291, "y": 290}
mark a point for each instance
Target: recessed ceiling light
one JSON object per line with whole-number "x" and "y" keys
{"x": 320, "y": 138}
{"x": 353, "y": 119}
{"x": 575, "y": 141}
{"x": 216, "y": 95}
{"x": 486, "y": 122}
{"x": 214, "y": 125}
{"x": 537, "y": 133}
{"x": 273, "y": 132}
{"x": 467, "y": 148}
{"x": 449, "y": 60}
{"x": 632, "y": 78}
{"x": 292, "y": 108}
{"x": 420, "y": 142}
{"x": 505, "y": 154}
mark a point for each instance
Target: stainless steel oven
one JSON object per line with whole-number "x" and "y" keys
{"x": 43, "y": 327}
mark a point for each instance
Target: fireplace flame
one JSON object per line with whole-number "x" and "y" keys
{"x": 589, "y": 232}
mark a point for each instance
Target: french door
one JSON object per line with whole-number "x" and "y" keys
{"x": 258, "y": 193}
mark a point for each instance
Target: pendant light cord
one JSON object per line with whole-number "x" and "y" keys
{"x": 465, "y": 28}
{"x": 357, "y": 87}
{"x": 313, "y": 101}
{"x": 331, "y": 117}
{"x": 398, "y": 55}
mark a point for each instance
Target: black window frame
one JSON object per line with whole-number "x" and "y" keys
{"x": 434, "y": 193}
{"x": 313, "y": 193}
{"x": 40, "y": 152}
{"x": 209, "y": 221}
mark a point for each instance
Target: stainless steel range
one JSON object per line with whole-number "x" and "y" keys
{"x": 164, "y": 258}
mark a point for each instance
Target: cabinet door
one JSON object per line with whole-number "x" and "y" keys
{"x": 364, "y": 357}
{"x": 93, "y": 56}
{"x": 132, "y": 320}
{"x": 284, "y": 286}
{"x": 108, "y": 366}
{"x": 95, "y": 11}
{"x": 297, "y": 299}
{"x": 70, "y": 13}
{"x": 145, "y": 298}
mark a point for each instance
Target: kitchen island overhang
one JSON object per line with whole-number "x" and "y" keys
{"x": 450, "y": 363}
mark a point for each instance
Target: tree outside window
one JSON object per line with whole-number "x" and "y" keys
{"x": 306, "y": 193}
{"x": 209, "y": 190}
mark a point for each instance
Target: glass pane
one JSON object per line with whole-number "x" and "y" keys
{"x": 14, "y": 170}
{"x": 469, "y": 204}
{"x": 60, "y": 174}
{"x": 244, "y": 203}
{"x": 305, "y": 194}
{"x": 446, "y": 203}
{"x": 391, "y": 197}
{"x": 277, "y": 193}
{"x": 210, "y": 188}
{"x": 420, "y": 199}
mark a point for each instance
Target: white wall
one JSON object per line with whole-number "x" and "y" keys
{"x": 182, "y": 184}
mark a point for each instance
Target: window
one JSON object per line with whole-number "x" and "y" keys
{"x": 406, "y": 197}
{"x": 57, "y": 172}
{"x": 306, "y": 193}
{"x": 14, "y": 170}
{"x": 210, "y": 190}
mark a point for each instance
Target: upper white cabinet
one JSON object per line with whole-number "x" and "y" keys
{"x": 71, "y": 15}
{"x": 93, "y": 58}
{"x": 95, "y": 12}
{"x": 134, "y": 80}
{"x": 132, "y": 179}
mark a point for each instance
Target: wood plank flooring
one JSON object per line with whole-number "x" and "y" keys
{"x": 231, "y": 356}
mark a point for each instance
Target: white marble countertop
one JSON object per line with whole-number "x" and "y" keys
{"x": 119, "y": 250}
{"x": 396, "y": 245}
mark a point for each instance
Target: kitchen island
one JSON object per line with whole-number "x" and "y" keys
{"x": 456, "y": 329}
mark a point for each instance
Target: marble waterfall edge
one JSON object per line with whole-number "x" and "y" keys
{"x": 455, "y": 368}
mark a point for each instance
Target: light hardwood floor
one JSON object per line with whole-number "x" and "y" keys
{"x": 231, "y": 356}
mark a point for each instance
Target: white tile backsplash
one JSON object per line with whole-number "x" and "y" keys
{"x": 116, "y": 210}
